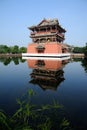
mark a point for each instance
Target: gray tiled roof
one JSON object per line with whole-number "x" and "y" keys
{"x": 47, "y": 22}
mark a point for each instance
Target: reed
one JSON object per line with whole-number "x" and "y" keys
{"x": 32, "y": 117}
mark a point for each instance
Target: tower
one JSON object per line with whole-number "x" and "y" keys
{"x": 47, "y": 40}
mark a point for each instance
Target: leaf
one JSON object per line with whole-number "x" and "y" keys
{"x": 17, "y": 112}
{"x": 31, "y": 92}
{"x": 64, "y": 124}
{"x": 56, "y": 105}
{"x": 45, "y": 107}
{"x": 4, "y": 121}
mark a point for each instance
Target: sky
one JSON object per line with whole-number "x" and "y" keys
{"x": 17, "y": 15}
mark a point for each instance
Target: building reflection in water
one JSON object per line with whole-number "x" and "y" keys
{"x": 48, "y": 74}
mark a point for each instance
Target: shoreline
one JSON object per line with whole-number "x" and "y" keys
{"x": 10, "y": 55}
{"x": 73, "y": 55}
{"x": 77, "y": 55}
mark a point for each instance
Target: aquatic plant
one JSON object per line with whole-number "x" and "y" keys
{"x": 4, "y": 122}
{"x": 46, "y": 125}
{"x": 32, "y": 117}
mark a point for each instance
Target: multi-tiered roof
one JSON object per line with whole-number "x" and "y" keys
{"x": 47, "y": 40}
{"x": 47, "y": 31}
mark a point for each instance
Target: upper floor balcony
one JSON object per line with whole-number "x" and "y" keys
{"x": 37, "y": 34}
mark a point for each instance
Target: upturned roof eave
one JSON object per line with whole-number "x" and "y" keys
{"x": 38, "y": 26}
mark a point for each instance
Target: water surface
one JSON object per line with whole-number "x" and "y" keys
{"x": 62, "y": 80}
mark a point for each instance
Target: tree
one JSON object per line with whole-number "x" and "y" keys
{"x": 86, "y": 43}
{"x": 12, "y": 49}
{"x": 23, "y": 49}
{"x": 15, "y": 49}
{"x": 78, "y": 50}
{"x": 4, "y": 49}
{"x": 85, "y": 50}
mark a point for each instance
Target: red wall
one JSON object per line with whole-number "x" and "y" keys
{"x": 49, "y": 48}
{"x": 49, "y": 64}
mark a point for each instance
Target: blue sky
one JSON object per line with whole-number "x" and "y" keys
{"x": 17, "y": 15}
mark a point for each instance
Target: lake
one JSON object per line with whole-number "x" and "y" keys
{"x": 63, "y": 81}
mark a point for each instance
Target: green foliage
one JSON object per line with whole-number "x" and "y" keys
{"x": 46, "y": 125}
{"x": 85, "y": 50}
{"x": 15, "y": 60}
{"x": 64, "y": 124}
{"x": 78, "y": 50}
{"x": 7, "y": 60}
{"x": 23, "y": 49}
{"x": 30, "y": 117}
{"x": 56, "y": 104}
{"x": 4, "y": 49}
{"x": 84, "y": 64}
{"x": 15, "y": 49}
{"x": 4, "y": 124}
